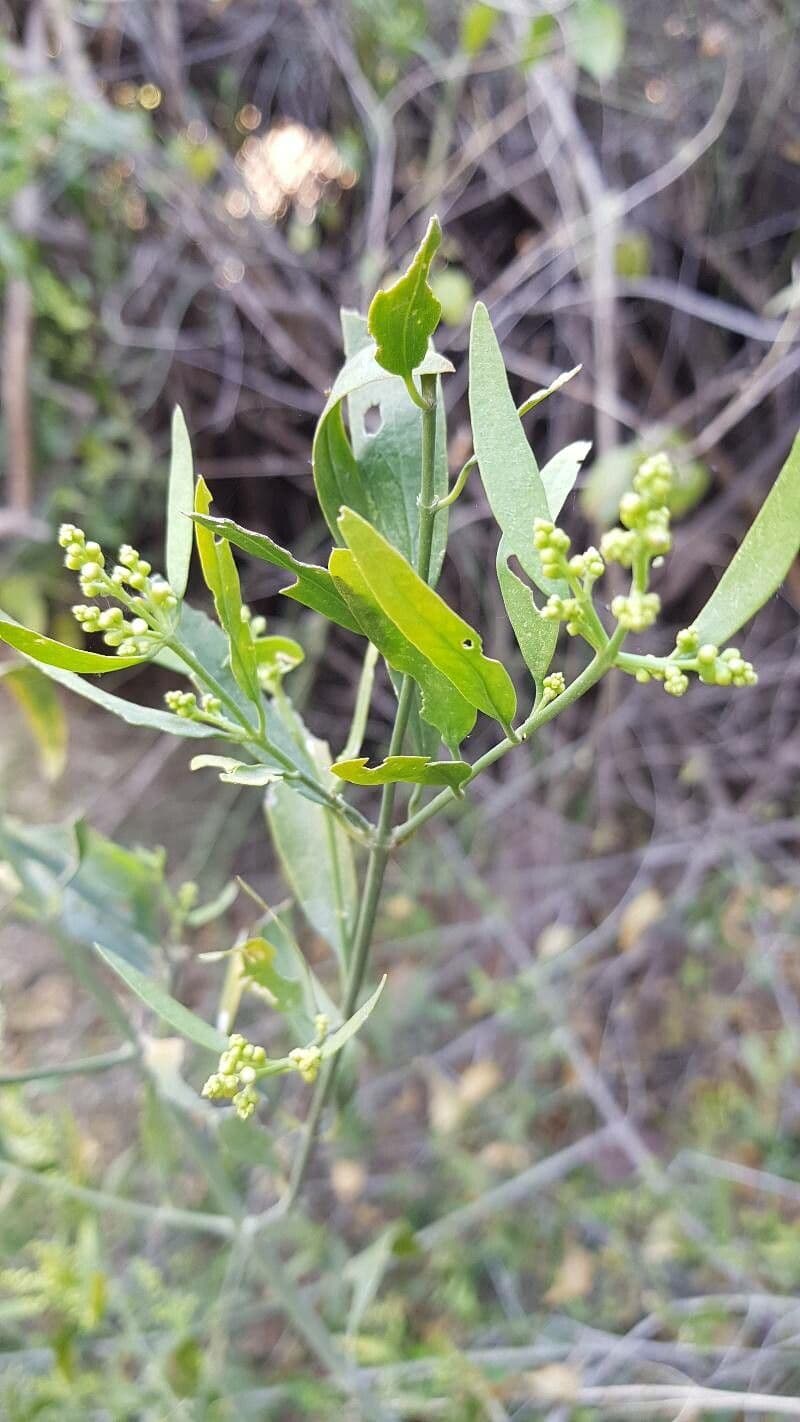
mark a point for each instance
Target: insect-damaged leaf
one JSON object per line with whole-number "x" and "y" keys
{"x": 404, "y": 769}
{"x": 535, "y": 636}
{"x": 441, "y": 704}
{"x": 427, "y": 622}
{"x": 237, "y": 772}
{"x": 761, "y": 562}
{"x": 313, "y": 586}
{"x": 403, "y": 318}
{"x": 180, "y": 501}
{"x": 560, "y": 473}
{"x": 374, "y": 466}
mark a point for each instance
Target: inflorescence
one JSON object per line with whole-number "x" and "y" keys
{"x": 149, "y": 599}
{"x": 639, "y": 542}
{"x": 243, "y": 1064}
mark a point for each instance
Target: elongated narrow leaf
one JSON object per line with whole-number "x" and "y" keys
{"x": 313, "y": 586}
{"x": 403, "y": 769}
{"x": 180, "y": 502}
{"x": 760, "y": 564}
{"x": 375, "y": 468}
{"x": 58, "y": 654}
{"x": 534, "y": 400}
{"x": 508, "y": 468}
{"x": 342, "y": 1035}
{"x": 535, "y": 636}
{"x": 222, "y": 581}
{"x": 155, "y": 997}
{"x": 43, "y": 712}
{"x": 403, "y": 318}
{"x": 441, "y": 704}
{"x": 315, "y": 854}
{"x": 449, "y": 642}
{"x": 560, "y": 473}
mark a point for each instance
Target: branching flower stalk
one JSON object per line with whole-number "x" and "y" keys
{"x": 385, "y": 497}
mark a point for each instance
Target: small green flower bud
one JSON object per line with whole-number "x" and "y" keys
{"x": 128, "y": 556}
{"x": 259, "y": 1056}
{"x": 211, "y": 705}
{"x": 637, "y": 611}
{"x": 552, "y": 686}
{"x": 111, "y": 617}
{"x": 69, "y": 534}
{"x": 687, "y": 641}
{"x": 632, "y": 510}
{"x": 139, "y": 626}
{"x": 138, "y": 581}
{"x": 643, "y": 676}
{"x": 707, "y": 654}
{"x": 306, "y": 1061}
{"x": 321, "y": 1027}
{"x": 676, "y": 682}
{"x": 247, "y": 1075}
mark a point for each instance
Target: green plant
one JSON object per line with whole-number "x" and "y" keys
{"x": 385, "y": 497}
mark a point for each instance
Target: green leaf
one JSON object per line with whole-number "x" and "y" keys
{"x": 404, "y": 769}
{"x": 158, "y": 999}
{"x": 560, "y": 473}
{"x": 375, "y": 469}
{"x": 441, "y": 704}
{"x": 760, "y": 564}
{"x": 146, "y": 716}
{"x": 535, "y": 636}
{"x": 315, "y": 853}
{"x": 258, "y": 965}
{"x": 339, "y": 1038}
{"x": 237, "y": 772}
{"x": 313, "y": 586}
{"x": 539, "y": 41}
{"x": 43, "y": 713}
{"x": 596, "y": 37}
{"x": 427, "y": 622}
{"x": 58, "y": 654}
{"x": 403, "y": 318}
{"x": 275, "y": 657}
{"x": 507, "y": 465}
{"x": 477, "y": 27}
{"x": 222, "y": 581}
{"x": 180, "y": 502}
{"x": 86, "y": 886}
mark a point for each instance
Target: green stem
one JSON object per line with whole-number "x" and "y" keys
{"x": 538, "y": 717}
{"x": 104, "y": 1061}
{"x": 383, "y": 843}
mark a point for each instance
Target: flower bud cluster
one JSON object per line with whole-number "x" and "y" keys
{"x": 552, "y": 686}
{"x": 727, "y": 668}
{"x": 185, "y": 704}
{"x": 235, "y": 1077}
{"x": 152, "y": 605}
{"x": 580, "y": 571}
{"x": 637, "y": 611}
{"x": 307, "y": 1061}
{"x": 643, "y": 530}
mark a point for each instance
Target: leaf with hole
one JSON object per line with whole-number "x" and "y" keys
{"x": 404, "y": 769}
{"x": 180, "y": 502}
{"x": 166, "y": 1007}
{"x": 441, "y": 704}
{"x": 426, "y": 621}
{"x": 374, "y": 465}
{"x": 760, "y": 564}
{"x": 536, "y": 637}
{"x": 403, "y": 317}
{"x": 508, "y": 469}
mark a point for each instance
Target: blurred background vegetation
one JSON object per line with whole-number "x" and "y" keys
{"x": 570, "y": 1165}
